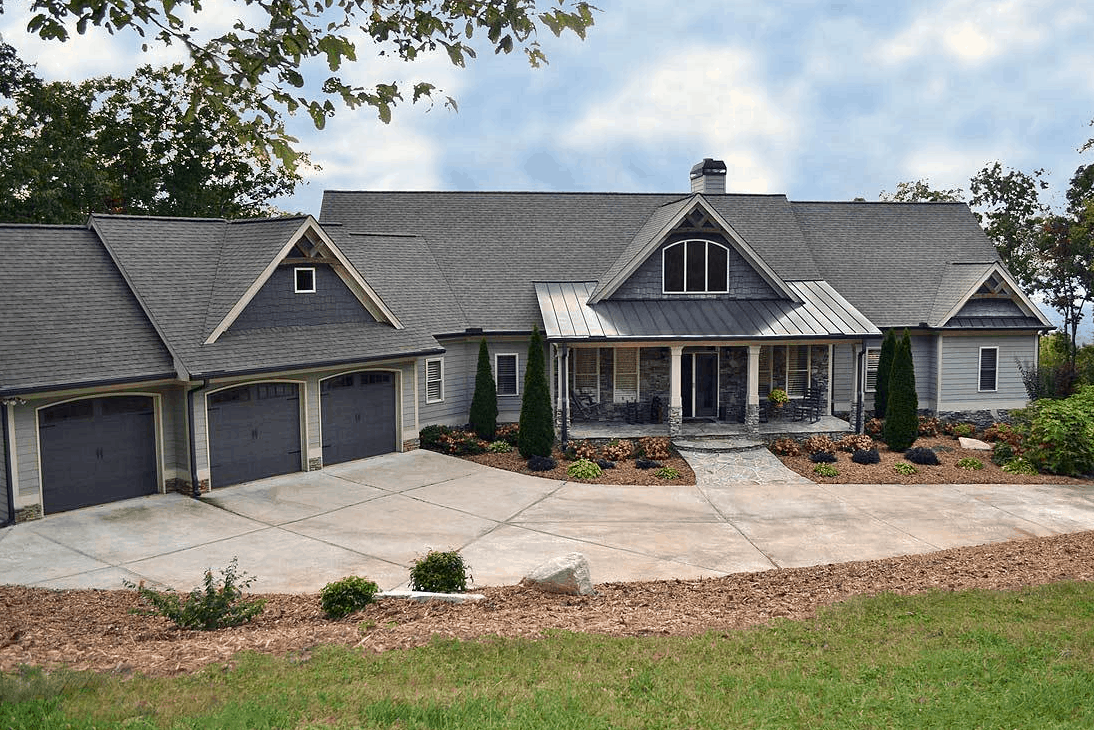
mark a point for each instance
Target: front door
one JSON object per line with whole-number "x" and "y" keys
{"x": 699, "y": 384}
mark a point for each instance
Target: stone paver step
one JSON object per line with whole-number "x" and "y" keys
{"x": 717, "y": 445}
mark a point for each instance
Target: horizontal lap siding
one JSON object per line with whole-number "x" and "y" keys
{"x": 961, "y": 371}
{"x": 924, "y": 358}
{"x": 4, "y": 516}
{"x": 460, "y": 365}
{"x": 843, "y": 377}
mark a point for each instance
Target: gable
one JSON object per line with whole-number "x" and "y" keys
{"x": 287, "y": 300}
{"x": 990, "y": 295}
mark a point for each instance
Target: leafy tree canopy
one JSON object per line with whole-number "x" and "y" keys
{"x": 920, "y": 191}
{"x": 138, "y": 145}
{"x": 272, "y": 55}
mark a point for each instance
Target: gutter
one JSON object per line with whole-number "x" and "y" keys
{"x": 10, "y": 491}
{"x": 212, "y": 374}
{"x": 195, "y": 487}
{"x": 172, "y": 376}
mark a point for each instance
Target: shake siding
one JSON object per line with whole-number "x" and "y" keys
{"x": 961, "y": 371}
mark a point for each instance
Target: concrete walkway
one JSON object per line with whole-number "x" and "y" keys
{"x": 373, "y": 517}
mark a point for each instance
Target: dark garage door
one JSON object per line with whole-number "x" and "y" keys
{"x": 254, "y": 432}
{"x": 358, "y": 416}
{"x": 97, "y": 450}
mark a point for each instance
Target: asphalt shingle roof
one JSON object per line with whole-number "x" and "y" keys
{"x": 68, "y": 316}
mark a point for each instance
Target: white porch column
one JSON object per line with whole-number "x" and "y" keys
{"x": 752, "y": 404}
{"x": 676, "y": 401}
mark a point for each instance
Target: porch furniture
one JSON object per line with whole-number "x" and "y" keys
{"x": 809, "y": 407}
{"x": 583, "y": 406}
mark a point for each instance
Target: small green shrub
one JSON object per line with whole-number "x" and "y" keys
{"x": 618, "y": 450}
{"x": 970, "y": 464}
{"x": 825, "y": 470}
{"x": 500, "y": 447}
{"x": 507, "y": 432}
{"x": 866, "y": 456}
{"x": 667, "y": 472}
{"x": 903, "y": 467}
{"x": 1019, "y": 465}
{"x": 963, "y": 429}
{"x": 1059, "y": 437}
{"x": 583, "y": 469}
{"x": 458, "y": 442}
{"x": 342, "y": 597}
{"x": 1001, "y": 453}
{"x": 823, "y": 457}
{"x": 217, "y": 605}
{"x": 922, "y": 455}
{"x": 430, "y": 437}
{"x": 440, "y": 572}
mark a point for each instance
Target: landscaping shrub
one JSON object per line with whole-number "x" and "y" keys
{"x": 500, "y": 447}
{"x": 618, "y": 450}
{"x": 508, "y": 433}
{"x": 218, "y": 604}
{"x": 647, "y": 464}
{"x": 605, "y": 464}
{"x": 884, "y": 371}
{"x": 655, "y": 447}
{"x": 963, "y": 429}
{"x": 903, "y": 467}
{"x": 922, "y": 456}
{"x": 825, "y": 470}
{"x": 866, "y": 456}
{"x": 458, "y": 442}
{"x": 786, "y": 447}
{"x": 541, "y": 463}
{"x": 1019, "y": 465}
{"x": 440, "y": 572}
{"x": 585, "y": 450}
{"x": 855, "y": 442}
{"x": 901, "y": 415}
{"x": 929, "y": 426}
{"x": 667, "y": 472}
{"x": 342, "y": 597}
{"x": 1001, "y": 453}
{"x": 430, "y": 437}
{"x": 484, "y": 404}
{"x": 874, "y": 427}
{"x": 1002, "y": 432}
{"x": 537, "y": 422}
{"x": 813, "y": 444}
{"x": 1060, "y": 436}
{"x": 583, "y": 469}
{"x": 823, "y": 457}
{"x": 970, "y": 464}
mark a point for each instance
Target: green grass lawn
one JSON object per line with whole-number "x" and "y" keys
{"x": 945, "y": 660}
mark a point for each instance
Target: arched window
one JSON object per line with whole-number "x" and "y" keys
{"x": 695, "y": 267}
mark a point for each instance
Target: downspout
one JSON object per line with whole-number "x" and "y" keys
{"x": 860, "y": 388}
{"x": 195, "y": 486}
{"x": 565, "y": 381}
{"x": 10, "y": 491}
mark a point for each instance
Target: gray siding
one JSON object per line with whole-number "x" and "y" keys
{"x": 460, "y": 363}
{"x": 4, "y": 515}
{"x": 843, "y": 377}
{"x": 277, "y": 305}
{"x": 646, "y": 281}
{"x": 925, "y": 360}
{"x": 961, "y": 371}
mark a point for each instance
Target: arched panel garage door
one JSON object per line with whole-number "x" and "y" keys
{"x": 358, "y": 416}
{"x": 254, "y": 432}
{"x": 97, "y": 450}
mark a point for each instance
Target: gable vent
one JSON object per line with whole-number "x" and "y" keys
{"x": 709, "y": 177}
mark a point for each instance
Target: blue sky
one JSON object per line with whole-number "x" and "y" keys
{"x": 817, "y": 100}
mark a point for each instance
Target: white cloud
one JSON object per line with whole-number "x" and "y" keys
{"x": 710, "y": 97}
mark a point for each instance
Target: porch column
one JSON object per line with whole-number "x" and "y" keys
{"x": 676, "y": 401}
{"x": 752, "y": 404}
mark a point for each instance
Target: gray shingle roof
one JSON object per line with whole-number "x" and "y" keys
{"x": 68, "y": 316}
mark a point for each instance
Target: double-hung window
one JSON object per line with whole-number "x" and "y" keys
{"x": 587, "y": 372}
{"x": 626, "y": 374}
{"x": 434, "y": 380}
{"x": 989, "y": 368}
{"x": 505, "y": 373}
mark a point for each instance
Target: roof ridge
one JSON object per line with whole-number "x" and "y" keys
{"x": 41, "y": 226}
{"x": 879, "y": 202}
{"x": 613, "y": 193}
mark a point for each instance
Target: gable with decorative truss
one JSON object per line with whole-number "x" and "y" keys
{"x": 995, "y": 295}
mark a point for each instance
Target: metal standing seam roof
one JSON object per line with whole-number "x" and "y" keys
{"x": 823, "y": 312}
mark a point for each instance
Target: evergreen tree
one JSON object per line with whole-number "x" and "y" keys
{"x": 884, "y": 368}
{"x": 484, "y": 404}
{"x": 902, "y": 414}
{"x": 536, "y": 433}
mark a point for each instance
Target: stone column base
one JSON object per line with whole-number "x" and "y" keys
{"x": 28, "y": 513}
{"x": 315, "y": 464}
{"x": 411, "y": 444}
{"x": 752, "y": 419}
{"x": 676, "y": 420}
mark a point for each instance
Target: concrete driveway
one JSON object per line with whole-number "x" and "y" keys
{"x": 373, "y": 517}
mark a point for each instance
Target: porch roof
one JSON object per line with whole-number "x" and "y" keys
{"x": 822, "y": 313}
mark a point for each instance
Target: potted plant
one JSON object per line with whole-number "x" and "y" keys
{"x": 778, "y": 397}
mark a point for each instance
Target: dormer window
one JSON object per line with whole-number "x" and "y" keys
{"x": 304, "y": 280}
{"x": 695, "y": 267}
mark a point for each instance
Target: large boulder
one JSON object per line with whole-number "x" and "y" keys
{"x": 566, "y": 574}
{"x": 976, "y": 444}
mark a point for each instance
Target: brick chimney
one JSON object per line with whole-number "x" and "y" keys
{"x": 709, "y": 177}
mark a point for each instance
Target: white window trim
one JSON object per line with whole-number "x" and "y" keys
{"x": 596, "y": 353}
{"x": 868, "y": 351}
{"x": 808, "y": 369}
{"x": 637, "y": 375}
{"x": 296, "y": 279}
{"x": 706, "y": 269}
{"x": 516, "y": 374}
{"x": 980, "y": 371}
{"x": 439, "y": 380}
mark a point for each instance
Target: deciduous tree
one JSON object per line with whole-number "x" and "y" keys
{"x": 920, "y": 191}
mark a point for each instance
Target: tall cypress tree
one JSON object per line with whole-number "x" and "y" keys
{"x": 902, "y": 416}
{"x": 884, "y": 369}
{"x": 536, "y": 436}
{"x": 484, "y": 404}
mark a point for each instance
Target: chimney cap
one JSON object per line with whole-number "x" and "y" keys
{"x": 709, "y": 166}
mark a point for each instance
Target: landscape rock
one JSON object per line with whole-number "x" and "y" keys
{"x": 975, "y": 444}
{"x": 567, "y": 574}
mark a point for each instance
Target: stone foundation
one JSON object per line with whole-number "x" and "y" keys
{"x": 752, "y": 419}
{"x": 203, "y": 486}
{"x": 676, "y": 420}
{"x": 980, "y": 419}
{"x": 28, "y": 513}
{"x": 182, "y": 486}
{"x": 408, "y": 445}
{"x": 315, "y": 464}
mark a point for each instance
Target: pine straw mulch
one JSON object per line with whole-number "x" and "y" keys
{"x": 86, "y": 629}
